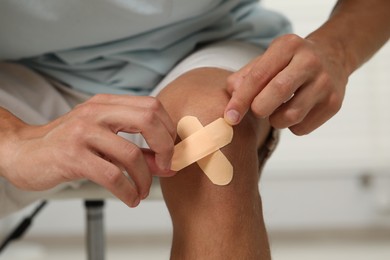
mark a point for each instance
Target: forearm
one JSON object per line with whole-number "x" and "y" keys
{"x": 6, "y": 128}
{"x": 356, "y": 29}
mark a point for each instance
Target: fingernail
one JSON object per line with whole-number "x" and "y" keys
{"x": 144, "y": 196}
{"x": 165, "y": 166}
{"x": 161, "y": 164}
{"x": 136, "y": 202}
{"x": 168, "y": 166}
{"x": 232, "y": 117}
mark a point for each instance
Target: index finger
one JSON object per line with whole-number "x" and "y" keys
{"x": 112, "y": 178}
{"x": 143, "y": 102}
{"x": 150, "y": 125}
{"x": 266, "y": 67}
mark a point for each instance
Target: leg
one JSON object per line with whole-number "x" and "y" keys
{"x": 209, "y": 221}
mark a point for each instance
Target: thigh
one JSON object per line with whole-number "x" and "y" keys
{"x": 32, "y": 97}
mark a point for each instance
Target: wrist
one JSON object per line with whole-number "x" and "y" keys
{"x": 335, "y": 49}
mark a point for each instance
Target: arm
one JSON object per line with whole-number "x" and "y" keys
{"x": 83, "y": 144}
{"x": 300, "y": 83}
{"x": 358, "y": 28}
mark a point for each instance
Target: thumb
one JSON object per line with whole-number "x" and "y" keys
{"x": 150, "y": 159}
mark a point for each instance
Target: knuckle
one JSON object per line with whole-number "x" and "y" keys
{"x": 234, "y": 80}
{"x": 231, "y": 83}
{"x": 324, "y": 85}
{"x": 149, "y": 117}
{"x": 86, "y": 109}
{"x": 312, "y": 60}
{"x": 294, "y": 115}
{"x": 325, "y": 82}
{"x": 78, "y": 130}
{"x": 114, "y": 176}
{"x": 231, "y": 79}
{"x": 291, "y": 40}
{"x": 286, "y": 118}
{"x": 291, "y": 37}
{"x": 334, "y": 103}
{"x": 153, "y": 104}
{"x": 134, "y": 153}
{"x": 256, "y": 75}
{"x": 258, "y": 110}
{"x": 98, "y": 98}
{"x": 283, "y": 86}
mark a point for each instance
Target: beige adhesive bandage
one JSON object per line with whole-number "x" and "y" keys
{"x": 201, "y": 144}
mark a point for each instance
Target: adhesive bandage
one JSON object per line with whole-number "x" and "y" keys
{"x": 201, "y": 144}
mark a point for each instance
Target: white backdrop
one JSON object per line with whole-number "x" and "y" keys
{"x": 359, "y": 135}
{"x": 338, "y": 176}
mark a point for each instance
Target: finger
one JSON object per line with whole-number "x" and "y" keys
{"x": 275, "y": 59}
{"x": 148, "y": 103}
{"x": 147, "y": 123}
{"x": 325, "y": 108}
{"x": 153, "y": 167}
{"x": 294, "y": 110}
{"x": 281, "y": 88}
{"x": 111, "y": 177}
{"x": 317, "y": 117}
{"x": 155, "y": 107}
{"x": 236, "y": 78}
{"x": 138, "y": 120}
{"x": 312, "y": 105}
{"x": 127, "y": 155}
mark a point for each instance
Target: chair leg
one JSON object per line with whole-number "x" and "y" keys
{"x": 95, "y": 237}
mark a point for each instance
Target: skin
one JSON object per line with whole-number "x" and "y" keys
{"x": 298, "y": 83}
{"x": 313, "y": 71}
{"x": 209, "y": 221}
{"x": 89, "y": 131}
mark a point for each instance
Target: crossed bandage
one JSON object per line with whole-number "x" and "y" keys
{"x": 201, "y": 144}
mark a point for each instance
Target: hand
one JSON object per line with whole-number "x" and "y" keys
{"x": 83, "y": 144}
{"x": 297, "y": 83}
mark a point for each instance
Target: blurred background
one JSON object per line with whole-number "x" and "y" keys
{"x": 326, "y": 195}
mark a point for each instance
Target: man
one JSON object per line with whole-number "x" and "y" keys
{"x": 296, "y": 83}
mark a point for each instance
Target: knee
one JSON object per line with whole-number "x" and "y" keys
{"x": 199, "y": 92}
{"x": 201, "y": 211}
{"x": 202, "y": 93}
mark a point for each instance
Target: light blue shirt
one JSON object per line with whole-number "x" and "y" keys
{"x": 125, "y": 46}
